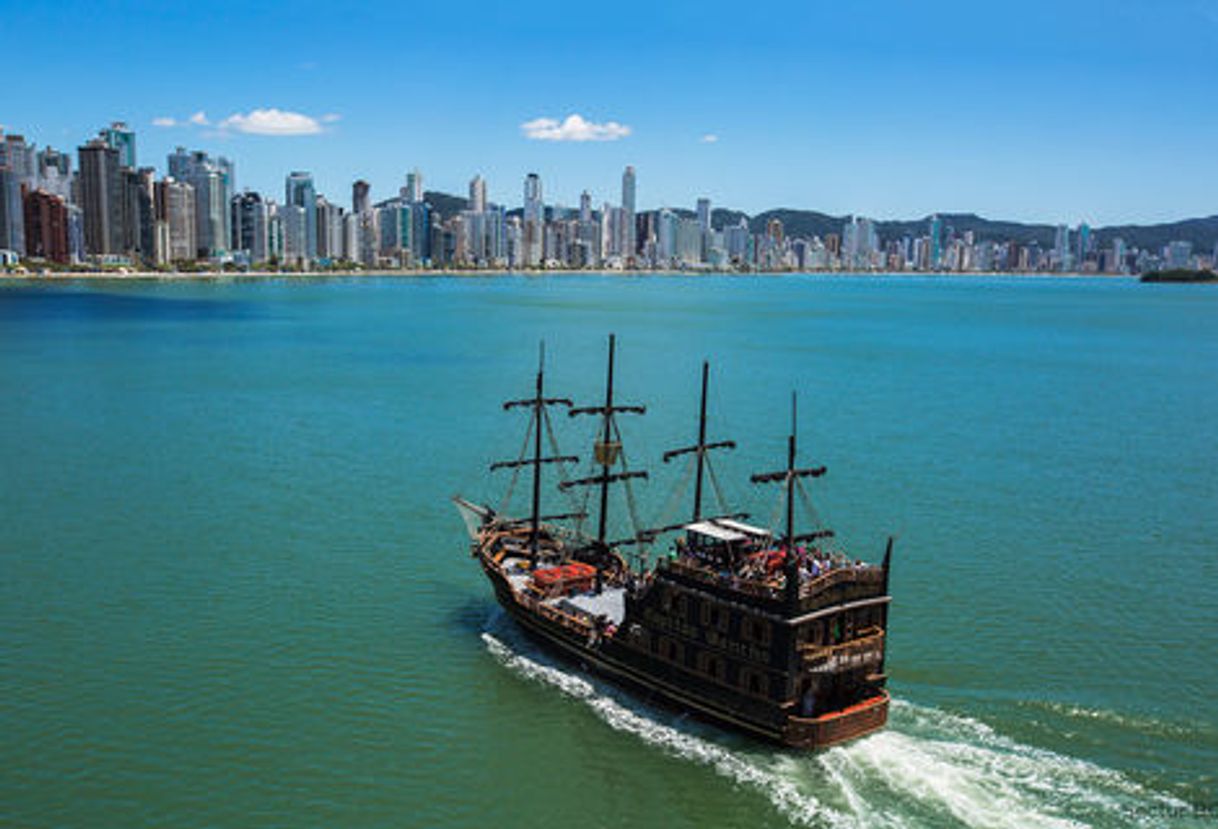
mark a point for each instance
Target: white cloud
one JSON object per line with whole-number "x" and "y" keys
{"x": 272, "y": 122}
{"x": 199, "y": 119}
{"x": 709, "y": 138}
{"x": 330, "y": 118}
{"x": 573, "y": 128}
{"x": 164, "y": 121}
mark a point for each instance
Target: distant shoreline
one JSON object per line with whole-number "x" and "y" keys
{"x": 214, "y": 276}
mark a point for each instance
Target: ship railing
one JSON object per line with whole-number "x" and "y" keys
{"x": 849, "y": 574}
{"x": 554, "y": 614}
{"x": 763, "y": 590}
{"x": 858, "y": 652}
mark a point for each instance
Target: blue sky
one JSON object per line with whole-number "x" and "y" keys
{"x": 1055, "y": 111}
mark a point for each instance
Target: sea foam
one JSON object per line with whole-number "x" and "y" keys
{"x": 928, "y": 768}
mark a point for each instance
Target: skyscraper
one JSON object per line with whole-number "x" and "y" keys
{"x": 46, "y": 226}
{"x": 329, "y": 229}
{"x": 1083, "y": 244}
{"x": 122, "y": 138}
{"x": 936, "y": 242}
{"x": 477, "y": 195}
{"x": 704, "y": 215}
{"x": 413, "y": 191}
{"x": 101, "y": 198}
{"x": 585, "y": 206}
{"x": 629, "y": 245}
{"x": 360, "y": 202}
{"x": 16, "y": 172}
{"x": 1061, "y": 248}
{"x": 298, "y": 191}
{"x": 53, "y": 171}
{"x": 249, "y": 223}
{"x": 212, "y": 181}
{"x": 294, "y": 219}
{"x": 534, "y": 220}
{"x": 175, "y": 211}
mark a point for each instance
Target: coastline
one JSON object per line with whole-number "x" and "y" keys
{"x": 214, "y": 276}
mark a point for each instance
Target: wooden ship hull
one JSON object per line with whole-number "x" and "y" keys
{"x": 754, "y": 670}
{"x": 779, "y": 636}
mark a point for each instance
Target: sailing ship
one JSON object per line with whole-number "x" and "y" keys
{"x": 780, "y": 636}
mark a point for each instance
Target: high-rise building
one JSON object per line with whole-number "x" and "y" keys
{"x": 1178, "y": 254}
{"x": 629, "y": 242}
{"x": 212, "y": 181}
{"x": 294, "y": 220}
{"x": 249, "y": 223}
{"x": 101, "y": 198}
{"x": 329, "y": 229}
{"x": 360, "y": 202}
{"x": 704, "y": 215}
{"x": 53, "y": 171}
{"x": 122, "y": 138}
{"x": 413, "y": 191}
{"x": 12, "y": 223}
{"x": 139, "y": 212}
{"x": 935, "y": 249}
{"x": 46, "y": 226}
{"x": 477, "y": 195}
{"x": 534, "y": 220}
{"x": 585, "y": 206}
{"x": 175, "y": 213}
{"x": 19, "y": 157}
{"x": 16, "y": 175}
{"x": 1082, "y": 244}
{"x": 1061, "y": 248}
{"x": 352, "y": 225}
{"x": 736, "y": 241}
{"x": 299, "y": 191}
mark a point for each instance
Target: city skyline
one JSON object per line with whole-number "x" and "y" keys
{"x": 1032, "y": 112}
{"x": 114, "y": 212}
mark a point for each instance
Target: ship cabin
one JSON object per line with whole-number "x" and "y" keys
{"x": 718, "y": 614}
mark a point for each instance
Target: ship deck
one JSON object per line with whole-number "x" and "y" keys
{"x": 610, "y": 602}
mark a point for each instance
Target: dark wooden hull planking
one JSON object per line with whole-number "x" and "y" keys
{"x": 711, "y": 694}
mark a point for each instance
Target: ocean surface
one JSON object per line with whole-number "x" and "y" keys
{"x": 233, "y": 591}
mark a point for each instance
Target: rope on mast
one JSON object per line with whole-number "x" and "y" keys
{"x": 524, "y": 449}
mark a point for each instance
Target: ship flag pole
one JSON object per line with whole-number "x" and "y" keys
{"x": 538, "y": 404}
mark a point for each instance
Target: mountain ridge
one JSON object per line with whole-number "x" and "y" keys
{"x": 1202, "y": 231}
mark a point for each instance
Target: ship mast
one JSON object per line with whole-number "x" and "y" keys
{"x": 701, "y": 447}
{"x": 789, "y": 478}
{"x": 607, "y": 449}
{"x": 538, "y": 404}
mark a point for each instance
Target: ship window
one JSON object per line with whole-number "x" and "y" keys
{"x": 710, "y": 665}
{"x": 754, "y": 683}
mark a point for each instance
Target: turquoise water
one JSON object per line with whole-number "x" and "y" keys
{"x": 233, "y": 591}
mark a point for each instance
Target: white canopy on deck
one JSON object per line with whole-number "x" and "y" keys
{"x": 725, "y": 529}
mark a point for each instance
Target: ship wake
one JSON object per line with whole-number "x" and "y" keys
{"x": 928, "y": 768}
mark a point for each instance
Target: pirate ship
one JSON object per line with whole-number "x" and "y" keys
{"x": 780, "y": 636}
